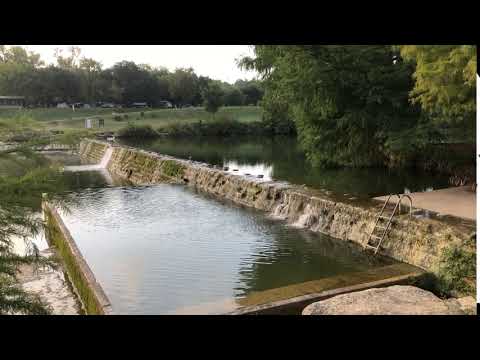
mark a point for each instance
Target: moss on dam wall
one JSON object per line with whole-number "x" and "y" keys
{"x": 92, "y": 151}
{"x": 88, "y": 290}
{"x": 417, "y": 241}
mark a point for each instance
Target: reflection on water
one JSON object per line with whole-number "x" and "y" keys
{"x": 282, "y": 159}
{"x": 264, "y": 170}
{"x": 170, "y": 249}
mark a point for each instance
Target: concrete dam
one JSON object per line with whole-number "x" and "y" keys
{"x": 415, "y": 240}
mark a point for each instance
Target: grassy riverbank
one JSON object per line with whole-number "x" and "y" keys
{"x": 115, "y": 119}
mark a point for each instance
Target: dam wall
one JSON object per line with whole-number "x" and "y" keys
{"x": 416, "y": 241}
{"x": 89, "y": 291}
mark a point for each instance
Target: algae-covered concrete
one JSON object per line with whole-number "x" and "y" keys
{"x": 93, "y": 298}
{"x": 92, "y": 151}
{"x": 416, "y": 241}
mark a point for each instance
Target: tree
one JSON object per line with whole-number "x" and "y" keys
{"x": 136, "y": 83}
{"x": 212, "y": 97}
{"x": 445, "y": 81}
{"x": 20, "y": 56}
{"x": 91, "y": 70}
{"x": 346, "y": 101}
{"x": 162, "y": 75}
{"x": 64, "y": 85}
{"x": 18, "y": 71}
{"x": 252, "y": 91}
{"x": 183, "y": 86}
{"x": 69, "y": 62}
{"x": 75, "y": 78}
{"x": 234, "y": 97}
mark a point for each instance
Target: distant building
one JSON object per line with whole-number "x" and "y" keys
{"x": 13, "y": 102}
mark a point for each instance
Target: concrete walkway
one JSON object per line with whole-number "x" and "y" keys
{"x": 455, "y": 201}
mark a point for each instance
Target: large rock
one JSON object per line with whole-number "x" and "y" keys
{"x": 393, "y": 300}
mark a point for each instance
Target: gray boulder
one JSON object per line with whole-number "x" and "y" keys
{"x": 393, "y": 300}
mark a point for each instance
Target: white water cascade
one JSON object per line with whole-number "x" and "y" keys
{"x": 101, "y": 166}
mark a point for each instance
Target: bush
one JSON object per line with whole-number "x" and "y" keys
{"x": 117, "y": 118}
{"x": 225, "y": 126}
{"x": 137, "y": 132}
{"x": 457, "y": 265}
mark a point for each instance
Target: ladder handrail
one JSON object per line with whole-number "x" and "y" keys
{"x": 398, "y": 205}
{"x": 381, "y": 211}
{"x": 409, "y": 198}
{"x": 379, "y": 215}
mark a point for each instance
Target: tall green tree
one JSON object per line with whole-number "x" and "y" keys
{"x": 90, "y": 70}
{"x": 445, "y": 81}
{"x": 212, "y": 97}
{"x": 346, "y": 101}
{"x": 18, "y": 71}
{"x": 183, "y": 86}
{"x": 234, "y": 97}
{"x": 251, "y": 89}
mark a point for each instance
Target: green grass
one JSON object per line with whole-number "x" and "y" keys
{"x": 64, "y": 119}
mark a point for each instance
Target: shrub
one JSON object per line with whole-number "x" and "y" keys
{"x": 224, "y": 126}
{"x": 117, "y": 118}
{"x": 457, "y": 265}
{"x": 137, "y": 131}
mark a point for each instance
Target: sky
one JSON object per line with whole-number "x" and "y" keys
{"x": 214, "y": 61}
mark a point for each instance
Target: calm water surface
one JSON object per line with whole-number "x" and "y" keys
{"x": 282, "y": 159}
{"x": 170, "y": 249}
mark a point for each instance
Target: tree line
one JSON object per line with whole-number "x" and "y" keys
{"x": 75, "y": 78}
{"x": 368, "y": 105}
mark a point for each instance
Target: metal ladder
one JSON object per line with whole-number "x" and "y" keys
{"x": 385, "y": 227}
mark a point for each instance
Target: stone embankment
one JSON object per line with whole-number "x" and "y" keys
{"x": 416, "y": 241}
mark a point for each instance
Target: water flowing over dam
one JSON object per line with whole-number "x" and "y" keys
{"x": 101, "y": 166}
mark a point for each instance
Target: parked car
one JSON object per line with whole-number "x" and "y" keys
{"x": 165, "y": 105}
{"x": 108, "y": 105}
{"x": 139, "y": 105}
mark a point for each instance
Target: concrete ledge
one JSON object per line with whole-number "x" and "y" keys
{"x": 294, "y": 306}
{"x": 89, "y": 291}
